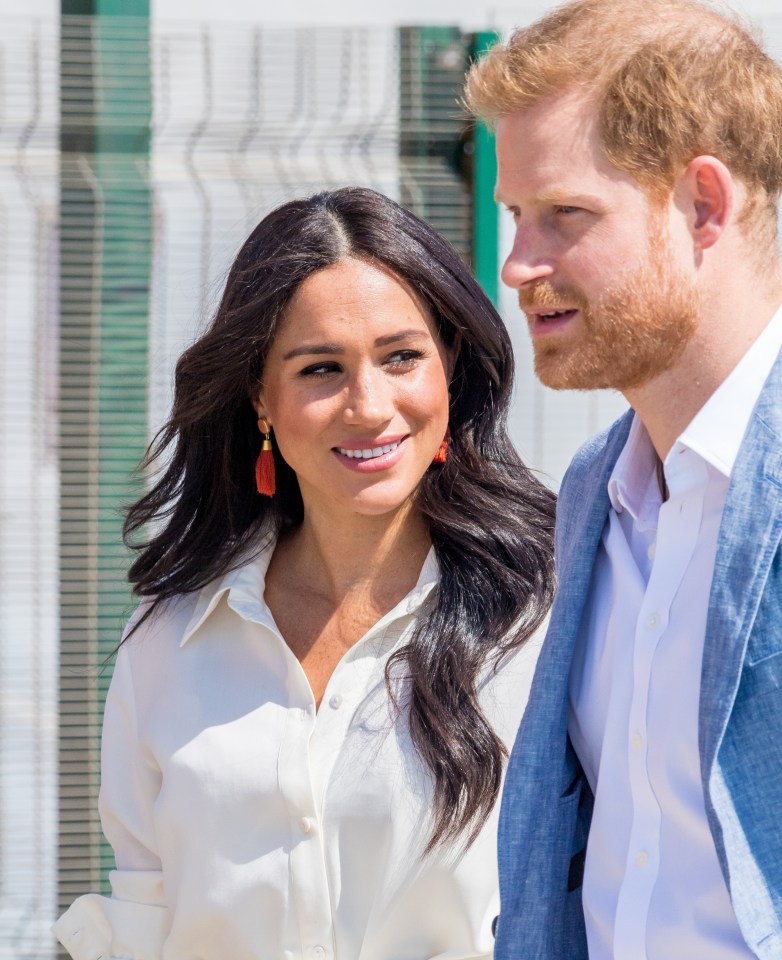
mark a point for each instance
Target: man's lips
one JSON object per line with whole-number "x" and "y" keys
{"x": 547, "y": 320}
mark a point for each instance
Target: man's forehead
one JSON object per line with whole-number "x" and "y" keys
{"x": 549, "y": 133}
{"x": 574, "y": 106}
{"x": 554, "y": 148}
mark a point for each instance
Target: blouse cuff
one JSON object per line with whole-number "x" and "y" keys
{"x": 102, "y": 928}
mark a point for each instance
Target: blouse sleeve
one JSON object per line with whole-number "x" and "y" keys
{"x": 133, "y": 923}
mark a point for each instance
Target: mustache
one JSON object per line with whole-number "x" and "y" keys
{"x": 545, "y": 294}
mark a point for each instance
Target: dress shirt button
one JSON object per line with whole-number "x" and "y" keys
{"x": 318, "y": 952}
{"x": 307, "y": 825}
{"x": 336, "y": 701}
{"x": 636, "y": 741}
{"x": 653, "y": 620}
{"x": 651, "y": 551}
{"x": 641, "y": 859}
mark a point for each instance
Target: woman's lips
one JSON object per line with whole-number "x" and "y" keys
{"x": 371, "y": 459}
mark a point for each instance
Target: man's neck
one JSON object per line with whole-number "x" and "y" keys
{"x": 668, "y": 403}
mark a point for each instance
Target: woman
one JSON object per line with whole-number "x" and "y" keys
{"x": 304, "y": 737}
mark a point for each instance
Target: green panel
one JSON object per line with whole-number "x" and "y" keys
{"x": 433, "y": 180}
{"x": 121, "y": 387}
{"x": 448, "y": 166}
{"x": 77, "y": 8}
{"x": 485, "y": 212}
{"x": 122, "y": 8}
{"x": 104, "y": 8}
{"x": 105, "y": 255}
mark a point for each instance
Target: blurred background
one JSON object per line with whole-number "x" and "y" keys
{"x": 138, "y": 147}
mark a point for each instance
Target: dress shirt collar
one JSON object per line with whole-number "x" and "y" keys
{"x": 714, "y": 434}
{"x": 245, "y": 587}
{"x": 632, "y": 485}
{"x": 717, "y": 429}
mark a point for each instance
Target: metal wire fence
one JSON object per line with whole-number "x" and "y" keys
{"x": 133, "y": 162}
{"x": 132, "y": 165}
{"x": 28, "y": 485}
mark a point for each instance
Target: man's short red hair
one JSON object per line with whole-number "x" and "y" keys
{"x": 671, "y": 80}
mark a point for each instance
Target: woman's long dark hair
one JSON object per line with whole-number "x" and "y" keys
{"x": 490, "y": 519}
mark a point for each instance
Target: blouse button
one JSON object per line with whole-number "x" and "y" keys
{"x": 318, "y": 952}
{"x": 307, "y": 826}
{"x": 336, "y": 701}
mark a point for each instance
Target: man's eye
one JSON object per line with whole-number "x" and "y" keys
{"x": 564, "y": 208}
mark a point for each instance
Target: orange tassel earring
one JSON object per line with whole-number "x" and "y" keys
{"x": 264, "y": 466}
{"x": 442, "y": 450}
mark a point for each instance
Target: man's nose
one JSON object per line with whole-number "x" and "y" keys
{"x": 527, "y": 261}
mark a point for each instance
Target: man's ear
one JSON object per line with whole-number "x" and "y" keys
{"x": 707, "y": 192}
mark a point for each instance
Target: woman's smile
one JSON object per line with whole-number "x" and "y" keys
{"x": 355, "y": 386}
{"x": 371, "y": 458}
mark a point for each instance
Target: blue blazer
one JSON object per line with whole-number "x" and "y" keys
{"x": 547, "y": 803}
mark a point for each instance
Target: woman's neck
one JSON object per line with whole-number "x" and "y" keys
{"x": 341, "y": 557}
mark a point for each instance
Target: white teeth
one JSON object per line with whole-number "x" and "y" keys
{"x": 369, "y": 453}
{"x": 554, "y": 313}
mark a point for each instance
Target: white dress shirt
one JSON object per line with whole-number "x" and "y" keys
{"x": 248, "y": 825}
{"x": 653, "y": 887}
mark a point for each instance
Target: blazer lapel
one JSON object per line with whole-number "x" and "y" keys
{"x": 749, "y": 536}
{"x": 581, "y": 516}
{"x": 581, "y": 520}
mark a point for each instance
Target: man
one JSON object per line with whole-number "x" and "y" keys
{"x": 640, "y": 155}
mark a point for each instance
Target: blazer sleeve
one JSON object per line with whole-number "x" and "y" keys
{"x": 133, "y": 923}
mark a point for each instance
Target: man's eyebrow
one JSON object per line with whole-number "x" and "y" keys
{"x": 565, "y": 198}
{"x": 318, "y": 349}
{"x": 556, "y": 198}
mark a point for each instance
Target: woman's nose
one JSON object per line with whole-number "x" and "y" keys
{"x": 369, "y": 399}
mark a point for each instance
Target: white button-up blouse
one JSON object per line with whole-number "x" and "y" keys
{"x": 248, "y": 825}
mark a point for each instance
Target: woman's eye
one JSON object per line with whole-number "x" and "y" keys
{"x": 320, "y": 370}
{"x": 404, "y": 358}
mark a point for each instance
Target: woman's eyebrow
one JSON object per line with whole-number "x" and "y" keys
{"x": 402, "y": 335}
{"x": 312, "y": 348}
{"x": 309, "y": 349}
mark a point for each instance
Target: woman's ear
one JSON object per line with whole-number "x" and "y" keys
{"x": 707, "y": 191}
{"x": 258, "y": 405}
